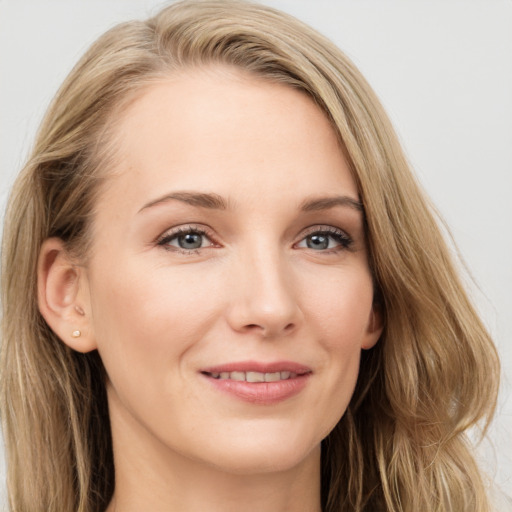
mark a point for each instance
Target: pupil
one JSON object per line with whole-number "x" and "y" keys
{"x": 190, "y": 241}
{"x": 318, "y": 242}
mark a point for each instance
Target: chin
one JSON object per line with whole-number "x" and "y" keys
{"x": 263, "y": 454}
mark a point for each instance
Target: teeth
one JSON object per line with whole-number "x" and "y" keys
{"x": 254, "y": 376}
{"x": 272, "y": 377}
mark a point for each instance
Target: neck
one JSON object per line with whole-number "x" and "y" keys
{"x": 195, "y": 489}
{"x": 150, "y": 476}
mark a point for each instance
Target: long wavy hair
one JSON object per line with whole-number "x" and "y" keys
{"x": 401, "y": 445}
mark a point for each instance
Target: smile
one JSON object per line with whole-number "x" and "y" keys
{"x": 253, "y": 376}
{"x": 259, "y": 383}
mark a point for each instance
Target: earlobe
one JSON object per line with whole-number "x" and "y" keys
{"x": 374, "y": 328}
{"x": 61, "y": 296}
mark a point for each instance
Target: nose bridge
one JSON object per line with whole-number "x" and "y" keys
{"x": 265, "y": 300}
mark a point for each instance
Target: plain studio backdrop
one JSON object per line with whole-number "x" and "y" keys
{"x": 443, "y": 70}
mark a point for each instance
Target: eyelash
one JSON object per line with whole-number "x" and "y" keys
{"x": 164, "y": 240}
{"x": 340, "y": 237}
{"x": 345, "y": 242}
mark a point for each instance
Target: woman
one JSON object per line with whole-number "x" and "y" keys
{"x": 238, "y": 295}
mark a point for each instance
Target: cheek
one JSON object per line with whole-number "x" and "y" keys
{"x": 145, "y": 318}
{"x": 341, "y": 308}
{"x": 340, "y": 314}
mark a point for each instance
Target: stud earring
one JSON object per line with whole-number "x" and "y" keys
{"x": 76, "y": 334}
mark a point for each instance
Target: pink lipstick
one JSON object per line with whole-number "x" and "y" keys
{"x": 259, "y": 383}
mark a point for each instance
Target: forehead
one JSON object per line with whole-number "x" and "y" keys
{"x": 218, "y": 130}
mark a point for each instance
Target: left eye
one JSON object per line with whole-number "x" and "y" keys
{"x": 320, "y": 241}
{"x": 188, "y": 240}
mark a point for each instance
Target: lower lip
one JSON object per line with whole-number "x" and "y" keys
{"x": 264, "y": 393}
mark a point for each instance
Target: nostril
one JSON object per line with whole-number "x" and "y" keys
{"x": 269, "y": 331}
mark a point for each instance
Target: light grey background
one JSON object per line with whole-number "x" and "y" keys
{"x": 443, "y": 70}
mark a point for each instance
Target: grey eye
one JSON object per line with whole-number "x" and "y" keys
{"x": 323, "y": 240}
{"x": 190, "y": 240}
{"x": 318, "y": 242}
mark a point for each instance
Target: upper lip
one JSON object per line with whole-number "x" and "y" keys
{"x": 257, "y": 366}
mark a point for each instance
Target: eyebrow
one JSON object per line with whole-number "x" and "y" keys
{"x": 326, "y": 203}
{"x": 200, "y": 199}
{"x": 213, "y": 201}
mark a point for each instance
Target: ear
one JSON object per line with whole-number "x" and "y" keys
{"x": 374, "y": 328}
{"x": 62, "y": 295}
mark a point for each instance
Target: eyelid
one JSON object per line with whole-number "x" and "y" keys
{"x": 323, "y": 227}
{"x": 344, "y": 239}
{"x": 345, "y": 244}
{"x": 175, "y": 231}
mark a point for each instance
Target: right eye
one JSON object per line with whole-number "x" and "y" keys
{"x": 186, "y": 240}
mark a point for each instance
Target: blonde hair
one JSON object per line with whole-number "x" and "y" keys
{"x": 401, "y": 444}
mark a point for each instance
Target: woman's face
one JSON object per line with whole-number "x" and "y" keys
{"x": 228, "y": 250}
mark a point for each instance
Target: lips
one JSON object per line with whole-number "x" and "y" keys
{"x": 253, "y": 376}
{"x": 259, "y": 383}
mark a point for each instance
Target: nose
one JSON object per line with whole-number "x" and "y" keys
{"x": 263, "y": 296}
